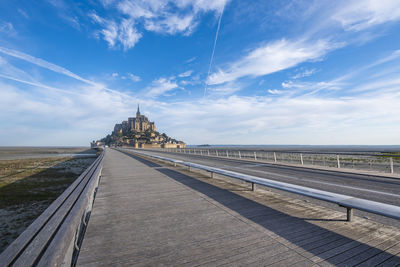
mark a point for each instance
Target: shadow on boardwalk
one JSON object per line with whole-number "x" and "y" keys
{"x": 332, "y": 247}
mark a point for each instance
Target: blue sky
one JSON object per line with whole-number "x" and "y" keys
{"x": 282, "y": 72}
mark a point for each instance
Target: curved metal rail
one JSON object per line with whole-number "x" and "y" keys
{"x": 54, "y": 238}
{"x": 345, "y": 201}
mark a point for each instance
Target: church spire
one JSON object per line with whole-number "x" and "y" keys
{"x": 138, "y": 111}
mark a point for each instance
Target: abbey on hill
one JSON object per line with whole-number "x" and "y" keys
{"x": 138, "y": 132}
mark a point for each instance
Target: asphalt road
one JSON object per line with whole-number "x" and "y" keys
{"x": 375, "y": 188}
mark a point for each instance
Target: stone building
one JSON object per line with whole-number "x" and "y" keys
{"x": 141, "y": 133}
{"x": 141, "y": 123}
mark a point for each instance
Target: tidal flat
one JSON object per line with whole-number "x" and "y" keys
{"x": 29, "y": 184}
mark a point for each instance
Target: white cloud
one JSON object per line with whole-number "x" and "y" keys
{"x": 309, "y": 119}
{"x": 224, "y": 89}
{"x": 122, "y": 34}
{"x": 114, "y": 75}
{"x": 387, "y": 83}
{"x": 160, "y": 87}
{"x": 7, "y": 28}
{"x": 359, "y": 15}
{"x": 186, "y": 74}
{"x": 44, "y": 113}
{"x": 190, "y": 60}
{"x": 297, "y": 88}
{"x": 303, "y": 74}
{"x": 264, "y": 120}
{"x": 23, "y": 13}
{"x": 172, "y": 25}
{"x": 134, "y": 78}
{"x": 273, "y": 57}
{"x": 274, "y": 91}
{"x": 128, "y": 35}
{"x": 165, "y": 17}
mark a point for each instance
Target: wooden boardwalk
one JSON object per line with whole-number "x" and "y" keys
{"x": 146, "y": 214}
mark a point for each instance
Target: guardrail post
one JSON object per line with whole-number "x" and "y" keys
{"x": 201, "y": 152}
{"x": 240, "y": 156}
{"x": 338, "y": 161}
{"x": 208, "y": 152}
{"x": 211, "y": 175}
{"x": 227, "y": 155}
{"x": 274, "y": 156}
{"x": 391, "y": 165}
{"x": 349, "y": 214}
{"x": 301, "y": 159}
{"x": 255, "y": 155}
{"x": 216, "y": 151}
{"x": 253, "y": 187}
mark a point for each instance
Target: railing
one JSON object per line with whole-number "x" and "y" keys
{"x": 345, "y": 201}
{"x": 54, "y": 238}
{"x": 385, "y": 163}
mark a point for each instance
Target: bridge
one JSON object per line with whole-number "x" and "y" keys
{"x": 135, "y": 207}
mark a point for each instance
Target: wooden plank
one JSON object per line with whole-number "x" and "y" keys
{"x": 372, "y": 252}
{"x": 146, "y": 215}
{"x": 384, "y": 258}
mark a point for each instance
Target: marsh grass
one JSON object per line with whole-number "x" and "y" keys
{"x": 29, "y": 186}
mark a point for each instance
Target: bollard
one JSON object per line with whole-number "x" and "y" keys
{"x": 301, "y": 159}
{"x": 255, "y": 155}
{"x": 240, "y": 156}
{"x": 253, "y": 186}
{"x": 227, "y": 155}
{"x": 216, "y": 151}
{"x": 338, "y": 161}
{"x": 201, "y": 152}
{"x": 208, "y": 152}
{"x": 274, "y": 156}
{"x": 211, "y": 175}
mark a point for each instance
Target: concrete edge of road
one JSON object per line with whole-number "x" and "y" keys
{"x": 305, "y": 166}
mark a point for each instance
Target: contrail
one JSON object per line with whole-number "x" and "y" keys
{"x": 53, "y": 67}
{"x": 37, "y": 84}
{"x": 213, "y": 51}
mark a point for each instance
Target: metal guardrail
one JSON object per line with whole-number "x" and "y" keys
{"x": 345, "y": 201}
{"x": 385, "y": 163}
{"x": 54, "y": 238}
